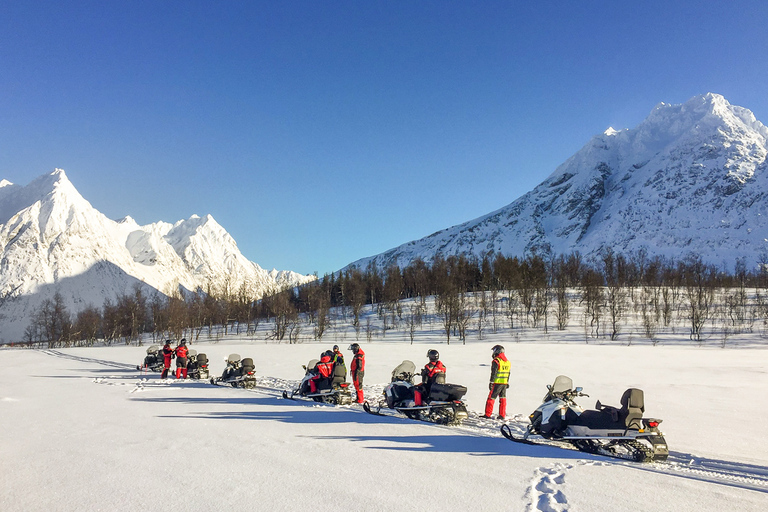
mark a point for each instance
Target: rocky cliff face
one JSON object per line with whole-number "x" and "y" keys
{"x": 691, "y": 178}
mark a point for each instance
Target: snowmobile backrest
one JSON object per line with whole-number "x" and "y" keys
{"x": 632, "y": 407}
{"x": 202, "y": 358}
{"x": 233, "y": 359}
{"x": 339, "y": 374}
{"x": 633, "y": 398}
{"x": 154, "y": 349}
{"x": 561, "y": 385}
{"x": 404, "y": 372}
{"x": 247, "y": 364}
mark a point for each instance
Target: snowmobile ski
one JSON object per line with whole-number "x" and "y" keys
{"x": 328, "y": 396}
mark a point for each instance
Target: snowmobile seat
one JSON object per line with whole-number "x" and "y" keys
{"x": 606, "y": 418}
{"x": 446, "y": 392}
{"x": 404, "y": 372}
{"x": 632, "y": 408}
{"x": 611, "y": 418}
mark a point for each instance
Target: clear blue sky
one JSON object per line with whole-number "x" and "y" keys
{"x": 318, "y": 133}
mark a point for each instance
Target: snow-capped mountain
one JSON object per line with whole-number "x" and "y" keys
{"x": 54, "y": 240}
{"x": 691, "y": 178}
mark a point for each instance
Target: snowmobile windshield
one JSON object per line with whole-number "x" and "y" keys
{"x": 404, "y": 371}
{"x": 562, "y": 385}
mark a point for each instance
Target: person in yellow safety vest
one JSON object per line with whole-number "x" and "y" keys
{"x": 499, "y": 383}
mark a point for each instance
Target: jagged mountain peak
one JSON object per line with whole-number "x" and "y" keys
{"x": 53, "y": 240}
{"x": 691, "y": 177}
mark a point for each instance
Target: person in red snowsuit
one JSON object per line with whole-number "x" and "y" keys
{"x": 168, "y": 354}
{"x": 324, "y": 370}
{"x": 358, "y": 370}
{"x": 433, "y": 371}
{"x": 500, "y": 369}
{"x": 182, "y": 352}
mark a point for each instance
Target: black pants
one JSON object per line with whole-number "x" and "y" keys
{"x": 499, "y": 390}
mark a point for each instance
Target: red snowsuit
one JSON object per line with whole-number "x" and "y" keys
{"x": 181, "y": 361}
{"x": 358, "y": 372}
{"x": 428, "y": 376}
{"x": 167, "y": 356}
{"x": 325, "y": 371}
{"x": 498, "y": 386}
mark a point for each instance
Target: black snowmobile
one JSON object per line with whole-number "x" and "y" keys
{"x": 153, "y": 361}
{"x": 238, "y": 373}
{"x": 334, "y": 390}
{"x": 441, "y": 405}
{"x": 615, "y": 432}
{"x": 197, "y": 365}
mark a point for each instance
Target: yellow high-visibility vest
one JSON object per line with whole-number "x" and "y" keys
{"x": 502, "y": 374}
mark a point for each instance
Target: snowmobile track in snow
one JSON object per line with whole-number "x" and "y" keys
{"x": 735, "y": 474}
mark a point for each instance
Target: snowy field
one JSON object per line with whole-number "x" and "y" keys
{"x": 83, "y": 430}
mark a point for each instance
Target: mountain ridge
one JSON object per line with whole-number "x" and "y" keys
{"x": 689, "y": 178}
{"x": 50, "y": 235}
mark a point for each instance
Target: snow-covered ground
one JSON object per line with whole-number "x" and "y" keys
{"x": 82, "y": 429}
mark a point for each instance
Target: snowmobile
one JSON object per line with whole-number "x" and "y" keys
{"x": 153, "y": 361}
{"x": 442, "y": 405}
{"x": 615, "y": 432}
{"x": 238, "y": 373}
{"x": 332, "y": 390}
{"x": 197, "y": 365}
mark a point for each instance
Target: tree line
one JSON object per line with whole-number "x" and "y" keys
{"x": 476, "y": 293}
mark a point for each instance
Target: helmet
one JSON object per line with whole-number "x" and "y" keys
{"x": 183, "y": 341}
{"x": 497, "y": 349}
{"x": 167, "y": 342}
{"x": 328, "y": 353}
{"x": 433, "y": 355}
{"x": 354, "y": 348}
{"x": 335, "y": 348}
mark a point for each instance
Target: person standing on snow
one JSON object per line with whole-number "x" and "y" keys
{"x": 433, "y": 371}
{"x": 338, "y": 357}
{"x": 500, "y": 368}
{"x": 358, "y": 370}
{"x": 182, "y": 352}
{"x": 168, "y": 354}
{"x": 339, "y": 368}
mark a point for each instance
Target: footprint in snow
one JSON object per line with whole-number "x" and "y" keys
{"x": 545, "y": 492}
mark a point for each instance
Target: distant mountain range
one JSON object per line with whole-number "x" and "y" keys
{"x": 691, "y": 178}
{"x": 53, "y": 240}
